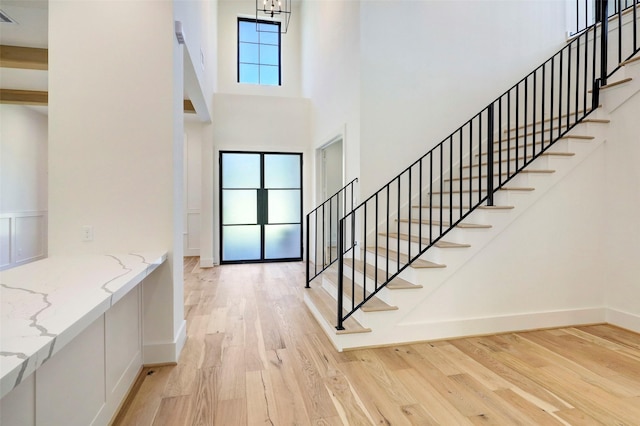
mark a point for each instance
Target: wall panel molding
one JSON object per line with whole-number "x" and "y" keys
{"x": 23, "y": 237}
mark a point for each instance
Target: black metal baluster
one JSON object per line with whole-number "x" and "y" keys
{"x": 420, "y": 206}
{"x": 517, "y": 164}
{"x": 430, "y": 196}
{"x": 340, "y": 243}
{"x": 398, "y": 221}
{"x": 560, "y": 72}
{"x": 409, "y": 226}
{"x": 375, "y": 270}
{"x": 479, "y": 160}
{"x": 451, "y": 178}
{"x": 509, "y": 132}
{"x": 364, "y": 260}
{"x": 544, "y": 98}
{"x": 442, "y": 189}
{"x": 551, "y": 109}
{"x": 526, "y": 119}
{"x": 490, "y": 156}
{"x": 387, "y": 236}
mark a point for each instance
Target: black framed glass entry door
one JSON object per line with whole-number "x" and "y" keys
{"x": 261, "y": 206}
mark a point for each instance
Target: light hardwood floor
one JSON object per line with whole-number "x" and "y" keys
{"x": 255, "y": 355}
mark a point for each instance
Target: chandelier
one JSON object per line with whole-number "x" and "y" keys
{"x": 276, "y": 11}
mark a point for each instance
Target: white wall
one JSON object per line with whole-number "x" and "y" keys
{"x": 428, "y": 66}
{"x": 621, "y": 230}
{"x": 331, "y": 75}
{"x": 252, "y": 123}
{"x": 23, "y": 185}
{"x": 115, "y": 145}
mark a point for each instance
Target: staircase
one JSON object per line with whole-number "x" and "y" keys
{"x": 413, "y": 239}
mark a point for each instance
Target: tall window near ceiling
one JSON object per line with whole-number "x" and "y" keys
{"x": 258, "y": 52}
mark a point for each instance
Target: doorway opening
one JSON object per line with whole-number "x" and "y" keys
{"x": 331, "y": 180}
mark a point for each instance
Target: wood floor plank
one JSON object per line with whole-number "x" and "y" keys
{"x": 174, "y": 410}
{"x": 255, "y": 355}
{"x": 350, "y": 407}
{"x": 261, "y": 406}
{"x": 476, "y": 349}
{"x": 533, "y": 413}
{"x": 289, "y": 397}
{"x": 205, "y": 397}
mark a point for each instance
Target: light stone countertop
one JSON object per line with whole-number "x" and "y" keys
{"x": 47, "y": 303}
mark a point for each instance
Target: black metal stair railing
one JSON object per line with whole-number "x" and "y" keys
{"x": 439, "y": 190}
{"x": 322, "y": 223}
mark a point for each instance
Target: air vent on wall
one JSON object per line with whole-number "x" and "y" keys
{"x": 6, "y": 19}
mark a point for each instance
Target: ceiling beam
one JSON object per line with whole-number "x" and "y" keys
{"x": 188, "y": 107}
{"x": 35, "y": 97}
{"x": 31, "y": 58}
{"x": 24, "y": 97}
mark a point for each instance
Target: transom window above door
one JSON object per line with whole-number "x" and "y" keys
{"x": 259, "y": 52}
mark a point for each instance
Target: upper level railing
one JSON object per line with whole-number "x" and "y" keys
{"x": 439, "y": 190}
{"x": 322, "y": 224}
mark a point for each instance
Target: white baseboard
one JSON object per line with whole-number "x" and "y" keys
{"x": 167, "y": 352}
{"x": 206, "y": 262}
{"x": 440, "y": 330}
{"x": 622, "y": 319}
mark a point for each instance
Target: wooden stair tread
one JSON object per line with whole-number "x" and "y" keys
{"x": 393, "y": 255}
{"x": 555, "y": 127}
{"x": 630, "y": 61}
{"x": 375, "y": 304}
{"x": 445, "y": 224}
{"x": 395, "y": 284}
{"x": 546, "y": 120}
{"x": 530, "y": 148}
{"x": 426, "y": 241}
{"x": 616, "y": 83}
{"x": 467, "y": 207}
{"x": 327, "y": 305}
{"x": 504, "y": 188}
{"x": 508, "y": 160}
{"x": 529, "y": 171}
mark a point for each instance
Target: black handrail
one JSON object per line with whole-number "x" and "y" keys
{"x": 327, "y": 216}
{"x": 522, "y": 125}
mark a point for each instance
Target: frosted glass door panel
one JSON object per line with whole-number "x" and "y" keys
{"x": 284, "y": 206}
{"x": 239, "y": 207}
{"x": 282, "y": 241}
{"x": 240, "y": 171}
{"x": 282, "y": 171}
{"x": 241, "y": 243}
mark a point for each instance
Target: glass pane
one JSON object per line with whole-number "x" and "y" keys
{"x": 269, "y": 75}
{"x": 271, "y": 37}
{"x": 249, "y": 53}
{"x": 282, "y": 171}
{"x": 282, "y": 242}
{"x": 268, "y": 55}
{"x": 239, "y": 207}
{"x": 247, "y": 32}
{"x": 240, "y": 170}
{"x": 268, "y": 29}
{"x": 284, "y": 206}
{"x": 249, "y": 73}
{"x": 241, "y": 243}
